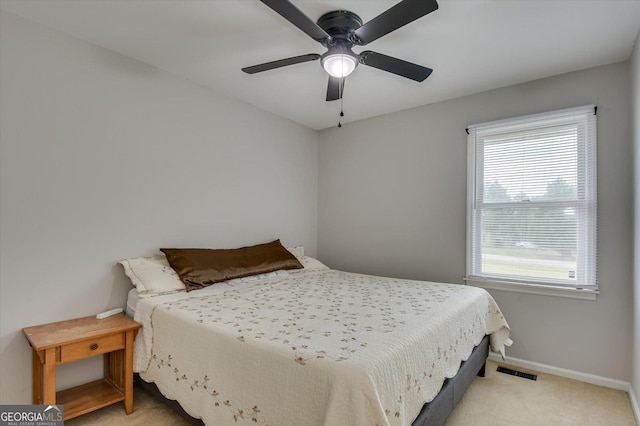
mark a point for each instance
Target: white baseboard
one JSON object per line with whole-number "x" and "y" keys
{"x": 562, "y": 372}
{"x": 576, "y": 375}
{"x": 634, "y": 404}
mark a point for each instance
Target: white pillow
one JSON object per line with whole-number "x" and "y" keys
{"x": 152, "y": 275}
{"x": 297, "y": 251}
{"x": 312, "y": 263}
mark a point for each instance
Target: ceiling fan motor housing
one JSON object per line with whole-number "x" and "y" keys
{"x": 339, "y": 24}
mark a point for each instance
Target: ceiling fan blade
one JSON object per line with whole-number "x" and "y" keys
{"x": 288, "y": 11}
{"x": 281, "y": 63}
{"x": 395, "y": 65}
{"x": 398, "y": 16}
{"x": 335, "y": 88}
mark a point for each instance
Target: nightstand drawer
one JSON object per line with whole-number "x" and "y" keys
{"x": 88, "y": 348}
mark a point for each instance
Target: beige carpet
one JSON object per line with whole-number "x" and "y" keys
{"x": 496, "y": 400}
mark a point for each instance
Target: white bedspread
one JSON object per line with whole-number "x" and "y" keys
{"x": 320, "y": 347}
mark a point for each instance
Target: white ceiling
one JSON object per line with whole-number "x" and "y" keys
{"x": 472, "y": 45}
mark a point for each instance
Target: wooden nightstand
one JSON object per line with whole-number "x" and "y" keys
{"x": 72, "y": 340}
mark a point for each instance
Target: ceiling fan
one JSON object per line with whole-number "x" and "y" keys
{"x": 340, "y": 30}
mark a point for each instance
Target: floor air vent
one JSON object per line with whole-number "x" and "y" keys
{"x": 517, "y": 373}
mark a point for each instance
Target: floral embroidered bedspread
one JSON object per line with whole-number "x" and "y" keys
{"x": 321, "y": 347}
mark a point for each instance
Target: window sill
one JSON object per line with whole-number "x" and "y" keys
{"x": 534, "y": 289}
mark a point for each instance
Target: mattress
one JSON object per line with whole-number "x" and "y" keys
{"x": 132, "y": 302}
{"x": 315, "y": 347}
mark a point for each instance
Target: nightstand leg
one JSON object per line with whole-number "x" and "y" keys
{"x": 128, "y": 372}
{"x": 36, "y": 379}
{"x": 50, "y": 377}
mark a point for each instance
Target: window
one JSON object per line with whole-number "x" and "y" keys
{"x": 532, "y": 203}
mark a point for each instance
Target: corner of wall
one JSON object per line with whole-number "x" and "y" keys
{"x": 634, "y": 391}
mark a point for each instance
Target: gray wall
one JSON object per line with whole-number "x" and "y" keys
{"x": 103, "y": 157}
{"x": 635, "y": 96}
{"x": 392, "y": 200}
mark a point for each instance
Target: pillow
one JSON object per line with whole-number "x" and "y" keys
{"x": 152, "y": 275}
{"x": 312, "y": 263}
{"x": 199, "y": 268}
{"x": 297, "y": 251}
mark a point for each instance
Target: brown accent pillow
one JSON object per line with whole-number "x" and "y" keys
{"x": 199, "y": 268}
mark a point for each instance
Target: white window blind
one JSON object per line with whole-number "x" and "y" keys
{"x": 532, "y": 200}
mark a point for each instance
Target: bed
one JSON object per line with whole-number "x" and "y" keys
{"x": 316, "y": 346}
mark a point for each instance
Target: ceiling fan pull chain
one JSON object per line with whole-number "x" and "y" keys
{"x": 340, "y": 85}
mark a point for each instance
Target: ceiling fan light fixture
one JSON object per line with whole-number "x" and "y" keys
{"x": 339, "y": 65}
{"x": 339, "y": 61}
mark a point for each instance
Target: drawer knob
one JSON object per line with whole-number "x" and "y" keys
{"x": 94, "y": 347}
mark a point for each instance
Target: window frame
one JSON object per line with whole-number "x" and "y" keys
{"x": 586, "y": 244}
